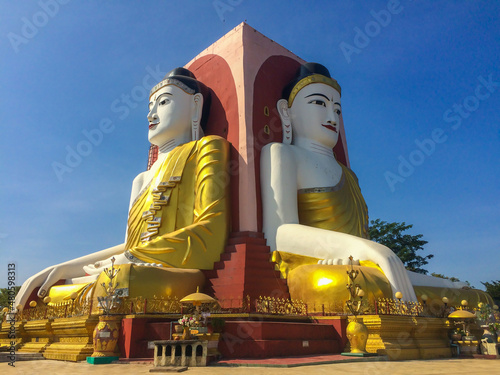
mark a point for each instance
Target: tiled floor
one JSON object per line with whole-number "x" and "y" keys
{"x": 432, "y": 367}
{"x": 297, "y": 361}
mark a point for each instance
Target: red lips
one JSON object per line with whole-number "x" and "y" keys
{"x": 151, "y": 126}
{"x": 330, "y": 127}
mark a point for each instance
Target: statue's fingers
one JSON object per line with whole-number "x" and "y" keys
{"x": 23, "y": 294}
{"x": 51, "y": 279}
{"x": 27, "y": 288}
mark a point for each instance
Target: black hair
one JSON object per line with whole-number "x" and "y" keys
{"x": 305, "y": 70}
{"x": 189, "y": 79}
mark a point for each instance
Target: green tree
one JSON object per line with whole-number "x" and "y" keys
{"x": 4, "y": 296}
{"x": 404, "y": 245}
{"x": 493, "y": 289}
{"x": 441, "y": 276}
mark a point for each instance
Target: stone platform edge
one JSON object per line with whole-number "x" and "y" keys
{"x": 296, "y": 361}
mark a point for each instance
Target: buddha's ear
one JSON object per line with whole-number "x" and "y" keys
{"x": 286, "y": 123}
{"x": 196, "y": 112}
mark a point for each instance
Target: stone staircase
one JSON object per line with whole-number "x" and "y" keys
{"x": 245, "y": 270}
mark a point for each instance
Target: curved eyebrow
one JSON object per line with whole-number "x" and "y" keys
{"x": 165, "y": 93}
{"x": 338, "y": 104}
{"x": 318, "y": 94}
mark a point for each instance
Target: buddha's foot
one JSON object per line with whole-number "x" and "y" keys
{"x": 338, "y": 261}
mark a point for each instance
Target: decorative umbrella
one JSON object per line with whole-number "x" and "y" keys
{"x": 462, "y": 316}
{"x": 198, "y": 298}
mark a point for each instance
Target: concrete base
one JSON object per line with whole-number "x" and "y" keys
{"x": 168, "y": 369}
{"x": 72, "y": 339}
{"x": 407, "y": 337}
{"x": 101, "y": 360}
{"x": 7, "y": 357}
{"x": 38, "y": 335}
{"x": 265, "y": 339}
{"x": 349, "y": 354}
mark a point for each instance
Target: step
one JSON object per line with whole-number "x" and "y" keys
{"x": 243, "y": 256}
{"x": 239, "y": 290}
{"x": 246, "y": 234}
{"x": 224, "y": 292}
{"x": 247, "y": 240}
{"x": 209, "y": 274}
{"x": 262, "y": 330}
{"x": 236, "y": 290}
{"x": 6, "y": 357}
{"x": 246, "y": 271}
{"x": 233, "y": 347}
{"x": 249, "y": 264}
{"x": 250, "y": 248}
{"x": 249, "y": 280}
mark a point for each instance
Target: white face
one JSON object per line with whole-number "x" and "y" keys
{"x": 170, "y": 113}
{"x": 315, "y": 114}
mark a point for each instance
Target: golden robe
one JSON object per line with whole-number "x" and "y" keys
{"x": 181, "y": 219}
{"x": 340, "y": 208}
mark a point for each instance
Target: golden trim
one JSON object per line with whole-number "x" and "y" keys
{"x": 389, "y": 306}
{"x": 171, "y": 82}
{"x": 280, "y": 306}
{"x": 315, "y": 78}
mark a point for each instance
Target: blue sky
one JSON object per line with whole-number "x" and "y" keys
{"x": 413, "y": 77}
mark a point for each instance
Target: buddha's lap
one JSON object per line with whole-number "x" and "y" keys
{"x": 138, "y": 281}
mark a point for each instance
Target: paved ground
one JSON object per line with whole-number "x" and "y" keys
{"x": 448, "y": 366}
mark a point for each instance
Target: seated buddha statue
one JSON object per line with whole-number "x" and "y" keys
{"x": 179, "y": 209}
{"x": 312, "y": 204}
{"x": 315, "y": 218}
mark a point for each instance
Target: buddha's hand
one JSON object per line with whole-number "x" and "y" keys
{"x": 43, "y": 279}
{"x": 99, "y": 266}
{"x": 338, "y": 261}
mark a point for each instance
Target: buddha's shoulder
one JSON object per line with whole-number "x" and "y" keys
{"x": 213, "y": 147}
{"x": 275, "y": 149}
{"x": 349, "y": 172}
{"x": 213, "y": 140}
{"x": 138, "y": 181}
